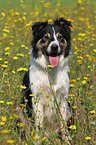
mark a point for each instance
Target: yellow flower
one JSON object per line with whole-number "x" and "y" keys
{"x": 50, "y": 66}
{"x": 36, "y": 137}
{"x": 13, "y": 72}
{"x": 74, "y": 107}
{"x": 1, "y": 123}
{"x": 2, "y": 102}
{"x": 47, "y": 96}
{"x": 15, "y": 57}
{"x": 5, "y": 131}
{"x": 17, "y": 14}
{"x": 9, "y": 103}
{"x": 43, "y": 138}
{"x": 7, "y": 53}
{"x": 88, "y": 138}
{"x": 1, "y": 59}
{"x": 3, "y": 118}
{"x": 92, "y": 112}
{"x": 15, "y": 116}
{"x": 22, "y": 45}
{"x": 71, "y": 85}
{"x": 41, "y": 126}
{"x": 82, "y": 34}
{"x": 3, "y": 14}
{"x": 36, "y": 109}
{"x": 22, "y": 105}
{"x": 22, "y": 69}
{"x": 5, "y": 30}
{"x": 94, "y": 50}
{"x": 5, "y": 62}
{"x": 72, "y": 127}
{"x": 31, "y": 95}
{"x": 10, "y": 141}
{"x": 7, "y": 48}
{"x": 32, "y": 132}
{"x": 79, "y": 1}
{"x": 20, "y": 124}
{"x": 4, "y": 66}
{"x": 84, "y": 82}
{"x": 50, "y": 21}
{"x": 23, "y": 87}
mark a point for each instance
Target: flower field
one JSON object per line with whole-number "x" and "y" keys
{"x": 15, "y": 38}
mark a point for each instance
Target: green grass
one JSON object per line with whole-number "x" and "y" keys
{"x": 17, "y": 18}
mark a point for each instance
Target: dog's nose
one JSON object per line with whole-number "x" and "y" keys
{"x": 54, "y": 47}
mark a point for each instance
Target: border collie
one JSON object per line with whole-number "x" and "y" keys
{"x": 47, "y": 80}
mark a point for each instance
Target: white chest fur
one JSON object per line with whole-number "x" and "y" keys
{"x": 56, "y": 80}
{"x": 54, "y": 83}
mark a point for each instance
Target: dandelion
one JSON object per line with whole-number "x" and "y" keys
{"x": 31, "y": 95}
{"x": 20, "y": 124}
{"x": 23, "y": 87}
{"x": 4, "y": 66}
{"x": 15, "y": 57}
{"x": 74, "y": 107}
{"x": 71, "y": 85}
{"x": 5, "y": 131}
{"x": 1, "y": 59}
{"x": 13, "y": 72}
{"x": 84, "y": 82}
{"x": 1, "y": 123}
{"x": 92, "y": 112}
{"x": 72, "y": 127}
{"x": 88, "y": 138}
{"x": 10, "y": 141}
{"x": 94, "y": 50}
{"x": 22, "y": 105}
{"x": 9, "y": 103}
{"x": 19, "y": 54}
{"x": 50, "y": 21}
{"x": 37, "y": 109}
{"x": 50, "y": 66}
{"x": 7, "y": 53}
{"x": 5, "y": 30}
{"x": 7, "y": 48}
{"x": 32, "y": 132}
{"x": 3, "y": 14}
{"x": 15, "y": 116}
{"x": 2, "y": 102}
{"x": 47, "y": 96}
{"x": 22, "y": 45}
{"x": 22, "y": 69}
{"x": 36, "y": 137}
{"x": 3, "y": 118}
{"x": 5, "y": 62}
{"x": 43, "y": 138}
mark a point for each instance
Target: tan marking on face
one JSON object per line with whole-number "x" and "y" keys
{"x": 44, "y": 45}
{"x": 62, "y": 44}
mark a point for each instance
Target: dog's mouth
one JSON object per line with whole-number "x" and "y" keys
{"x": 54, "y": 60}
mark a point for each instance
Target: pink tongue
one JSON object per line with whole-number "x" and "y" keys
{"x": 54, "y": 60}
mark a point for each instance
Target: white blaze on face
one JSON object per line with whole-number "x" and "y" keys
{"x": 54, "y": 60}
{"x": 55, "y": 41}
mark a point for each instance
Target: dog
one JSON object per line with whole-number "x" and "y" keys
{"x": 47, "y": 79}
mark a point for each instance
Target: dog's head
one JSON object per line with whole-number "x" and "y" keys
{"x": 52, "y": 40}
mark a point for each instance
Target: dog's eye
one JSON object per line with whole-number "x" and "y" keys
{"x": 60, "y": 38}
{"x": 44, "y": 39}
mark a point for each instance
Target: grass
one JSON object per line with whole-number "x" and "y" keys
{"x": 15, "y": 38}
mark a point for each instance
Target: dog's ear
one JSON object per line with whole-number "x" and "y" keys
{"x": 63, "y": 23}
{"x": 38, "y": 26}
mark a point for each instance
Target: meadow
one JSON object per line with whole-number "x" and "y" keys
{"x": 16, "y": 20}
